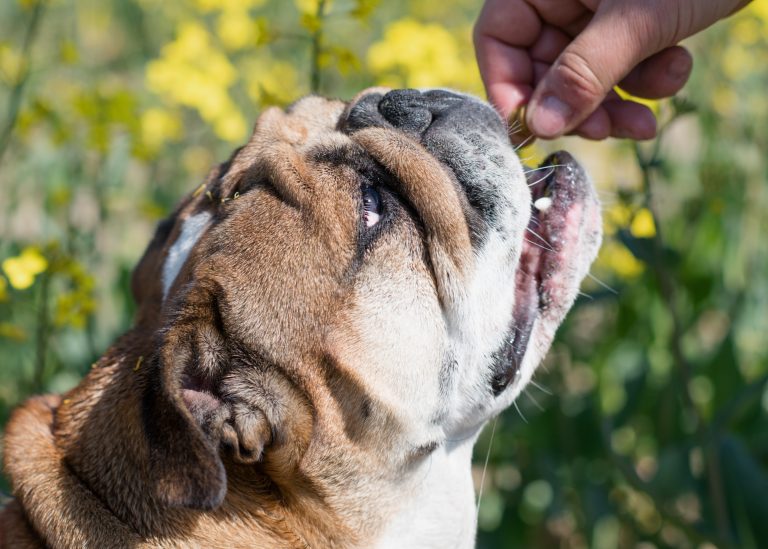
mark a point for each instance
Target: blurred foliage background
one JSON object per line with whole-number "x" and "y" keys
{"x": 647, "y": 426}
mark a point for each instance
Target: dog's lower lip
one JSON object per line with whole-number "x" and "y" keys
{"x": 558, "y": 196}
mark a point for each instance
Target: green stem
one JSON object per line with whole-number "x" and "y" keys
{"x": 42, "y": 332}
{"x": 736, "y": 403}
{"x": 668, "y": 289}
{"x": 17, "y": 92}
{"x": 317, "y": 48}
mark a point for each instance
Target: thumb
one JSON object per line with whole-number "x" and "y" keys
{"x": 619, "y": 36}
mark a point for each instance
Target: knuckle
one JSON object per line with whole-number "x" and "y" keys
{"x": 654, "y": 24}
{"x": 579, "y": 80}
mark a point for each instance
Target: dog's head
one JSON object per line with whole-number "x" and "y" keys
{"x": 370, "y": 274}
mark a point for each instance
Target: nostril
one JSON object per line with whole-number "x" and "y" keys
{"x": 406, "y": 110}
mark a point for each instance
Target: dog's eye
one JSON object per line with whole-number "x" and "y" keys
{"x": 371, "y": 206}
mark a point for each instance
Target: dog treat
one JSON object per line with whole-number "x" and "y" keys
{"x": 543, "y": 203}
{"x": 518, "y": 128}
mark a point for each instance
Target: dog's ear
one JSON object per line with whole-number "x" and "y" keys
{"x": 181, "y": 405}
{"x": 147, "y": 277}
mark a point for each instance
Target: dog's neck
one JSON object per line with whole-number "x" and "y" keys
{"x": 439, "y": 508}
{"x": 88, "y": 474}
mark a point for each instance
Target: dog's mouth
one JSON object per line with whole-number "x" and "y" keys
{"x": 561, "y": 238}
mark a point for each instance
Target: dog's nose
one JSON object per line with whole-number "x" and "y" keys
{"x": 413, "y": 111}
{"x": 419, "y": 112}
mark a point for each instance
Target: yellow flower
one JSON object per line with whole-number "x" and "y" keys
{"x": 310, "y": 6}
{"x": 10, "y": 63}
{"x": 418, "y": 55}
{"x": 22, "y": 269}
{"x": 759, "y": 10}
{"x": 746, "y": 30}
{"x": 620, "y": 260}
{"x": 532, "y": 155}
{"x": 642, "y": 225}
{"x": 724, "y": 100}
{"x": 207, "y": 6}
{"x": 616, "y": 217}
{"x": 193, "y": 72}
{"x": 197, "y": 160}
{"x": 159, "y": 126}
{"x": 236, "y": 30}
{"x": 230, "y": 125}
{"x": 68, "y": 53}
{"x": 271, "y": 82}
{"x": 73, "y": 307}
{"x": 738, "y": 61}
{"x": 13, "y": 332}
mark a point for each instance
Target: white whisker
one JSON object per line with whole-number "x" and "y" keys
{"x": 485, "y": 467}
{"x": 519, "y": 412}
{"x": 539, "y": 180}
{"x": 535, "y": 402}
{"x": 524, "y": 143}
{"x": 532, "y": 243}
{"x": 540, "y": 387}
{"x": 551, "y": 166}
{"x": 603, "y": 284}
{"x": 544, "y": 240}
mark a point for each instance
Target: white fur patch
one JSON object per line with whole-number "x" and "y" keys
{"x": 190, "y": 233}
{"x": 438, "y": 503}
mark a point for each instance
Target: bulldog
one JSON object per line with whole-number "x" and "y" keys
{"x": 323, "y": 329}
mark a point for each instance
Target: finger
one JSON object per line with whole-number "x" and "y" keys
{"x": 504, "y": 62}
{"x": 576, "y": 84}
{"x": 507, "y": 74}
{"x": 549, "y": 45}
{"x": 513, "y": 22}
{"x": 570, "y": 15}
{"x": 540, "y": 71}
{"x": 630, "y": 120}
{"x": 508, "y": 98}
{"x": 618, "y": 118}
{"x": 661, "y": 75}
{"x": 597, "y": 126}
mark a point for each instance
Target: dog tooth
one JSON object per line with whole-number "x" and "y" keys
{"x": 543, "y": 204}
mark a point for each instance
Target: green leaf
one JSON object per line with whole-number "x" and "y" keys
{"x": 746, "y": 485}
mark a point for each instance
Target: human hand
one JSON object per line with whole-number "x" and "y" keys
{"x": 562, "y": 59}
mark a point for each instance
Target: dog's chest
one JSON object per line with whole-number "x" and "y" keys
{"x": 438, "y": 504}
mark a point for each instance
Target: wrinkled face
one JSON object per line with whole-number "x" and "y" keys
{"x": 385, "y": 256}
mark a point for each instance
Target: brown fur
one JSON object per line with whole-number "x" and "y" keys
{"x": 233, "y": 414}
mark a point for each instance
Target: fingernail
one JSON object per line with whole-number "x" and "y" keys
{"x": 680, "y": 67}
{"x": 550, "y": 117}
